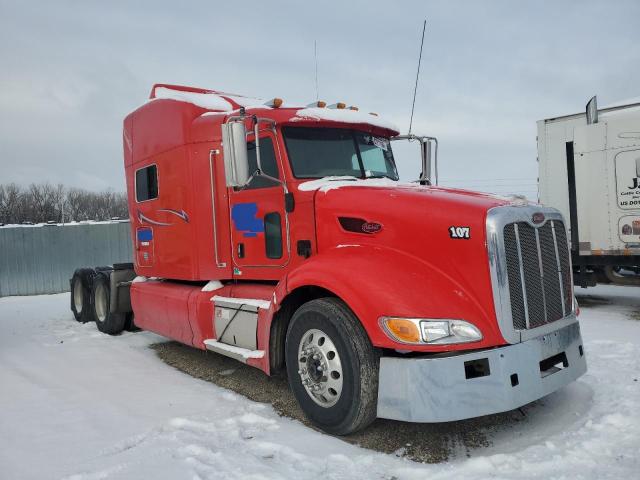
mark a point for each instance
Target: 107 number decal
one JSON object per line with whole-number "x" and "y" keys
{"x": 458, "y": 233}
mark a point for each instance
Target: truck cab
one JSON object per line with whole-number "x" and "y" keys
{"x": 281, "y": 236}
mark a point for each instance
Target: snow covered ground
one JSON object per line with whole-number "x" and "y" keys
{"x": 78, "y": 404}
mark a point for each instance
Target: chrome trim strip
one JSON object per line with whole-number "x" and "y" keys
{"x": 142, "y": 218}
{"x": 178, "y": 213}
{"x": 559, "y": 267}
{"x": 541, "y": 270}
{"x": 522, "y": 280}
{"x": 219, "y": 264}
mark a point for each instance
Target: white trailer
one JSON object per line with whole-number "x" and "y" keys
{"x": 589, "y": 169}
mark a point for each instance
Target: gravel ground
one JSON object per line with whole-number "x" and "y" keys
{"x": 430, "y": 443}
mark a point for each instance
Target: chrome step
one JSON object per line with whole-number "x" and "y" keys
{"x": 237, "y": 353}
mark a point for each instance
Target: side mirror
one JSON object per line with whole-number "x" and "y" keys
{"x": 236, "y": 158}
{"x": 425, "y": 150}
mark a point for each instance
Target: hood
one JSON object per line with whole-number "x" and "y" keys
{"x": 440, "y": 230}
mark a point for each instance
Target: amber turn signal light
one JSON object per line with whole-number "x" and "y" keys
{"x": 402, "y": 329}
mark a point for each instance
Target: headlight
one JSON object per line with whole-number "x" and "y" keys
{"x": 430, "y": 331}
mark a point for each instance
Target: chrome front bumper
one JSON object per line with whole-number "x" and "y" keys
{"x": 447, "y": 388}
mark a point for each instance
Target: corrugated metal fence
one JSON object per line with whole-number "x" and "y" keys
{"x": 41, "y": 258}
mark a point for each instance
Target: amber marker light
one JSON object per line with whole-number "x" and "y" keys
{"x": 401, "y": 329}
{"x": 317, "y": 104}
{"x": 275, "y": 103}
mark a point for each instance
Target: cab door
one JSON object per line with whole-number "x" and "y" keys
{"x": 259, "y": 227}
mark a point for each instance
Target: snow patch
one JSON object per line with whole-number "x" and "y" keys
{"x": 210, "y": 101}
{"x": 254, "y": 302}
{"x": 343, "y": 116}
{"x": 159, "y": 423}
{"x": 139, "y": 279}
{"x": 246, "y": 102}
{"x": 331, "y": 183}
{"x": 212, "y": 285}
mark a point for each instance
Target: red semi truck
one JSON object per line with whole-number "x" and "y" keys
{"x": 280, "y": 236}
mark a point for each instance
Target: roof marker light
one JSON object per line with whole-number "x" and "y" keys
{"x": 354, "y": 108}
{"x": 275, "y": 103}
{"x": 338, "y": 105}
{"x": 319, "y": 104}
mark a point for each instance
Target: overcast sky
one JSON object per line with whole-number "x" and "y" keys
{"x": 71, "y": 70}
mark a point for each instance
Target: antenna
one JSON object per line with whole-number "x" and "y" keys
{"x": 315, "y": 54}
{"x": 415, "y": 89}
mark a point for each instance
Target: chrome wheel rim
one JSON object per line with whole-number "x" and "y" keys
{"x": 320, "y": 368}
{"x": 101, "y": 302}
{"x": 77, "y": 295}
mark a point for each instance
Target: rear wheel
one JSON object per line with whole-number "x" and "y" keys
{"x": 106, "y": 321}
{"x": 332, "y": 366}
{"x": 81, "y": 295}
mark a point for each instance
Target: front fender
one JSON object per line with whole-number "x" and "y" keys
{"x": 379, "y": 281}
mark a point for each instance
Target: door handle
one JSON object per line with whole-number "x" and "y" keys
{"x": 241, "y": 250}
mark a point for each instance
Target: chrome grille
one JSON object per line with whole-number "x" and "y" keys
{"x": 538, "y": 272}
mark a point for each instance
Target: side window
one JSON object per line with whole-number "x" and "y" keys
{"x": 147, "y": 183}
{"x": 273, "y": 235}
{"x": 268, "y": 161}
{"x": 376, "y": 155}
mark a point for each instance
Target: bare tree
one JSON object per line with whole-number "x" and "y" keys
{"x": 45, "y": 202}
{"x": 11, "y": 203}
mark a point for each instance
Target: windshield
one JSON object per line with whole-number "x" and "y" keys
{"x": 323, "y": 152}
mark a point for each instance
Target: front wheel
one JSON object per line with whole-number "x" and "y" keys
{"x": 332, "y": 366}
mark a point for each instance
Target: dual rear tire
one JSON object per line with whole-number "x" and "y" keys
{"x": 91, "y": 301}
{"x": 81, "y": 295}
{"x": 107, "y": 321}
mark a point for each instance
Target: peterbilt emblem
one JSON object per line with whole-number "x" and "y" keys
{"x": 537, "y": 218}
{"x": 371, "y": 227}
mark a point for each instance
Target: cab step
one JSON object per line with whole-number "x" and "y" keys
{"x": 237, "y": 353}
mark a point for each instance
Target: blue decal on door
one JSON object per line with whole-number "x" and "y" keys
{"x": 245, "y": 220}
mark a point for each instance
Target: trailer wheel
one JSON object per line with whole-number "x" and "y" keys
{"x": 106, "y": 321}
{"x": 81, "y": 295}
{"x": 332, "y": 366}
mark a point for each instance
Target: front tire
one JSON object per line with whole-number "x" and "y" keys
{"x": 332, "y": 366}
{"x": 106, "y": 320}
